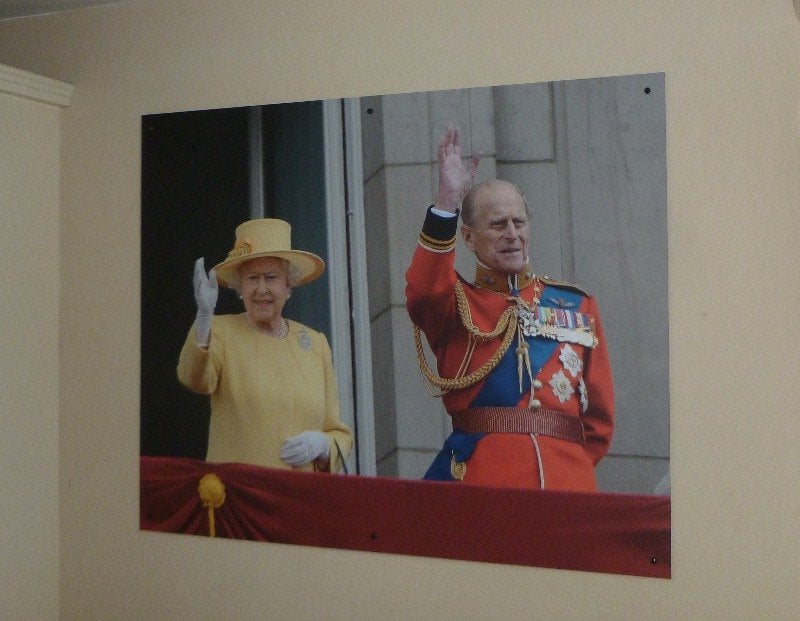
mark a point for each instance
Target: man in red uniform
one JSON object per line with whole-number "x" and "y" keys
{"x": 522, "y": 362}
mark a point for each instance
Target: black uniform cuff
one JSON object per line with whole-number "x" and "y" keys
{"x": 439, "y": 232}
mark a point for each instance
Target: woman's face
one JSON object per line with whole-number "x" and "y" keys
{"x": 265, "y": 288}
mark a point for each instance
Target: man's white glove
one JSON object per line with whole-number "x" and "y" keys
{"x": 305, "y": 447}
{"x": 206, "y": 291}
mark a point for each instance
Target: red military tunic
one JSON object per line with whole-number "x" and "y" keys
{"x": 570, "y": 370}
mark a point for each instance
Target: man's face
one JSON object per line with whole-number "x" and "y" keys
{"x": 499, "y": 236}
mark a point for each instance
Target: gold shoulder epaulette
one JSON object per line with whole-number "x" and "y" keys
{"x": 561, "y": 283}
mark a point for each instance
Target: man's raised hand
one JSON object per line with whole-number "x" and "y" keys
{"x": 455, "y": 178}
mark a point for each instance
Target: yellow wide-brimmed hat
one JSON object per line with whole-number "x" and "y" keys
{"x": 267, "y": 237}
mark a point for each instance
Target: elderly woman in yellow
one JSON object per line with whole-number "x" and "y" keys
{"x": 274, "y": 400}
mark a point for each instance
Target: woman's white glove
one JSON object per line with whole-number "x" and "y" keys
{"x": 305, "y": 447}
{"x": 206, "y": 291}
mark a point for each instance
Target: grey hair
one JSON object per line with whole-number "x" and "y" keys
{"x": 292, "y": 273}
{"x": 471, "y": 203}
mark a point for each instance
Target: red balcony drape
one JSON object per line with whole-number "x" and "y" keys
{"x": 610, "y": 533}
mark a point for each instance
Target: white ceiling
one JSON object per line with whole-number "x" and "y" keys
{"x": 23, "y": 8}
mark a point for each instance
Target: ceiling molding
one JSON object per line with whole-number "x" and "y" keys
{"x": 12, "y": 9}
{"x": 32, "y": 86}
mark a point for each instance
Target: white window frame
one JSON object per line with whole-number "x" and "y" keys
{"x": 352, "y": 355}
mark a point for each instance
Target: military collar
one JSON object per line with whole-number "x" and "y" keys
{"x": 503, "y": 283}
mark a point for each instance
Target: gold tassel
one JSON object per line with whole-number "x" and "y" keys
{"x": 212, "y": 494}
{"x": 522, "y": 355}
{"x": 530, "y": 375}
{"x": 458, "y": 469}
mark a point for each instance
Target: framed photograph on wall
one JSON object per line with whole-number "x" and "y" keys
{"x": 354, "y": 178}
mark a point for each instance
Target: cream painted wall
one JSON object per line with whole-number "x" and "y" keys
{"x": 30, "y": 113}
{"x": 733, "y": 135}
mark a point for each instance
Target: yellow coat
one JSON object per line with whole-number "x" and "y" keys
{"x": 263, "y": 390}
